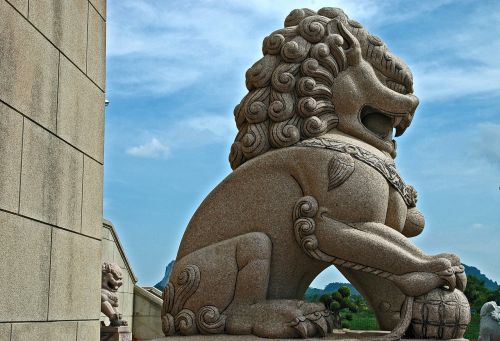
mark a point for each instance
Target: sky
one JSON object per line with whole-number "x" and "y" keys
{"x": 175, "y": 71}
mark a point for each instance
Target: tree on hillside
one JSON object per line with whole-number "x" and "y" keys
{"x": 341, "y": 306}
{"x": 478, "y": 294}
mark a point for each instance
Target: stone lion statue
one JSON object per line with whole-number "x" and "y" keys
{"x": 490, "y": 322}
{"x": 111, "y": 281}
{"x": 314, "y": 184}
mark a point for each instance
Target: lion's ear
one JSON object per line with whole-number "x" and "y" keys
{"x": 351, "y": 46}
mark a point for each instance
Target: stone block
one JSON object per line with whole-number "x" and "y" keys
{"x": 147, "y": 327}
{"x": 11, "y": 136}
{"x": 64, "y": 23}
{"x": 107, "y": 247}
{"x": 128, "y": 304}
{"x": 5, "y": 329}
{"x": 28, "y": 68}
{"x": 80, "y": 114}
{"x": 88, "y": 330}
{"x": 75, "y": 277}
{"x": 20, "y": 5}
{"x": 122, "y": 333}
{"x": 96, "y": 50}
{"x": 51, "y": 179}
{"x": 53, "y": 331}
{"x": 24, "y": 268}
{"x": 92, "y": 198}
{"x": 100, "y": 6}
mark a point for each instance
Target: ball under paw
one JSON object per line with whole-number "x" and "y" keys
{"x": 440, "y": 314}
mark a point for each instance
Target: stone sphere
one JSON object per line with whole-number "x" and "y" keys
{"x": 440, "y": 314}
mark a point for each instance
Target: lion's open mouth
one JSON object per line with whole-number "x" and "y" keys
{"x": 380, "y": 123}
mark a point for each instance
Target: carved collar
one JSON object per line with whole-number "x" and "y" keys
{"x": 386, "y": 168}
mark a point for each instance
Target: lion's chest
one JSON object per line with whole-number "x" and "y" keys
{"x": 365, "y": 196}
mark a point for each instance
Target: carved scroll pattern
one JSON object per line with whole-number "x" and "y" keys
{"x": 387, "y": 169}
{"x": 177, "y": 319}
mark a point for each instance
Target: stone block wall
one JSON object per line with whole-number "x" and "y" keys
{"x": 52, "y": 81}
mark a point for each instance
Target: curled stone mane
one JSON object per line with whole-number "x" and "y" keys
{"x": 290, "y": 97}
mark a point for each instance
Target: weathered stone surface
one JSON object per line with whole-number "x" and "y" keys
{"x": 147, "y": 311}
{"x": 107, "y": 247}
{"x": 5, "y": 331}
{"x": 489, "y": 328}
{"x": 24, "y": 254}
{"x": 314, "y": 184}
{"x": 53, "y": 331}
{"x": 88, "y": 331}
{"x": 51, "y": 179}
{"x": 20, "y": 5}
{"x": 100, "y": 5}
{"x": 74, "y": 259}
{"x": 11, "y": 136}
{"x": 64, "y": 23}
{"x": 29, "y": 73}
{"x": 96, "y": 50}
{"x": 80, "y": 115}
{"x": 92, "y": 198}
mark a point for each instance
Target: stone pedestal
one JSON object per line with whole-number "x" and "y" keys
{"x": 337, "y": 335}
{"x": 122, "y": 333}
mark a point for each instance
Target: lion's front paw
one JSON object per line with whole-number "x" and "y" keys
{"x": 280, "y": 319}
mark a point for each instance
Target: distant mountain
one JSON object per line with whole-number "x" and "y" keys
{"x": 161, "y": 284}
{"x": 473, "y": 271}
{"x": 312, "y": 292}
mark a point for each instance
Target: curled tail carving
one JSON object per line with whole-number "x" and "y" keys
{"x": 178, "y": 320}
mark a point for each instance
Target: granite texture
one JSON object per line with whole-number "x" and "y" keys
{"x": 80, "y": 114}
{"x": 314, "y": 184}
{"x": 25, "y": 253}
{"x": 92, "y": 198}
{"x": 5, "y": 329}
{"x": 11, "y": 136}
{"x": 28, "y": 79}
{"x": 51, "y": 179}
{"x": 96, "y": 49}
{"x": 72, "y": 255}
{"x": 100, "y": 5}
{"x": 53, "y": 331}
{"x": 147, "y": 311}
{"x": 64, "y": 23}
{"x": 20, "y": 5}
{"x": 88, "y": 330}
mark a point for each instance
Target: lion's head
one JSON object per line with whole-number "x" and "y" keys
{"x": 323, "y": 71}
{"x": 112, "y": 277}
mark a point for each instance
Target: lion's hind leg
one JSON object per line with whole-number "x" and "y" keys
{"x": 206, "y": 282}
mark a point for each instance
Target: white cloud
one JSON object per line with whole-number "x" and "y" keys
{"x": 152, "y": 149}
{"x": 167, "y": 46}
{"x": 194, "y": 132}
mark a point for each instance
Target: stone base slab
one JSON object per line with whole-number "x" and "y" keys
{"x": 338, "y": 335}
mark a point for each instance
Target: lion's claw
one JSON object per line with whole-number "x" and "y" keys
{"x": 316, "y": 324}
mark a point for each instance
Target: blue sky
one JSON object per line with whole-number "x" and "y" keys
{"x": 175, "y": 71}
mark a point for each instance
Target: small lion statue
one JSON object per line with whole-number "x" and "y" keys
{"x": 112, "y": 280}
{"x": 314, "y": 183}
{"x": 489, "y": 329}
